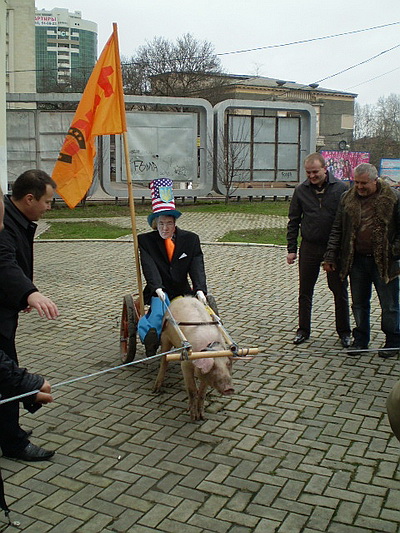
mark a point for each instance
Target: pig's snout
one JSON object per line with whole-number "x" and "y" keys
{"x": 228, "y": 391}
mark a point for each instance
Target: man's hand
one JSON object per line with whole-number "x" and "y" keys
{"x": 201, "y": 297}
{"x": 44, "y": 396}
{"x": 328, "y": 267}
{"x": 161, "y": 294}
{"x": 291, "y": 258}
{"x": 43, "y": 305}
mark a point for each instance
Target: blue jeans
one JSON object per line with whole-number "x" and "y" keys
{"x": 154, "y": 318}
{"x": 364, "y": 273}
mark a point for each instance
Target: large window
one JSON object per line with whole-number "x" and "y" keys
{"x": 266, "y": 149}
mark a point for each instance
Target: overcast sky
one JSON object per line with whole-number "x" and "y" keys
{"x": 233, "y": 25}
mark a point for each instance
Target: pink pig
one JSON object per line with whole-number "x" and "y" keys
{"x": 210, "y": 372}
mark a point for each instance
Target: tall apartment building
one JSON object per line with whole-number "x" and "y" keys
{"x": 66, "y": 50}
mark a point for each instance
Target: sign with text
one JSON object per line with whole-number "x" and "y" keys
{"x": 390, "y": 168}
{"x": 45, "y": 20}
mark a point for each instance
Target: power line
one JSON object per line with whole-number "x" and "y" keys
{"x": 358, "y": 64}
{"x": 372, "y": 79}
{"x": 45, "y": 70}
{"x": 302, "y": 41}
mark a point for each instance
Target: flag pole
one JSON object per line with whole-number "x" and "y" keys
{"x": 133, "y": 221}
{"x": 130, "y": 190}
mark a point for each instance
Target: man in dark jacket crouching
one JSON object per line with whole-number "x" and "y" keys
{"x": 15, "y": 381}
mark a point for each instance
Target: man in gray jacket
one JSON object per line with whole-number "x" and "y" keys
{"x": 312, "y": 211}
{"x": 365, "y": 244}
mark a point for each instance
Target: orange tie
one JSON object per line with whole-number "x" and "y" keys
{"x": 170, "y": 247}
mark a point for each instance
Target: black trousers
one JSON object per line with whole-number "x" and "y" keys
{"x": 310, "y": 259}
{"x": 12, "y": 437}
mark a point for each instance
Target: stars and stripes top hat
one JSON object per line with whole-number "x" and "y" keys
{"x": 162, "y": 199}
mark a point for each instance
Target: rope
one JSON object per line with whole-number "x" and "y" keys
{"x": 294, "y": 352}
{"x": 87, "y": 376}
{"x": 348, "y": 351}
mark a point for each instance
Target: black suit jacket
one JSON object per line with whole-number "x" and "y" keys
{"x": 172, "y": 277}
{"x": 16, "y": 266}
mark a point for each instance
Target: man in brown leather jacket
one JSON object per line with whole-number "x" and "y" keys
{"x": 365, "y": 244}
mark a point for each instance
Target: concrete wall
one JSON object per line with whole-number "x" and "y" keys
{"x": 330, "y": 127}
{"x": 35, "y": 138}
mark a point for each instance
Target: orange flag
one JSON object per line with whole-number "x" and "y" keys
{"x": 101, "y": 111}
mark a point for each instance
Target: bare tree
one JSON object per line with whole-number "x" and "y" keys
{"x": 73, "y": 81}
{"x": 364, "y": 121}
{"x": 388, "y": 117}
{"x": 163, "y": 68}
{"x": 134, "y": 76}
{"x": 377, "y": 129}
{"x": 232, "y": 159}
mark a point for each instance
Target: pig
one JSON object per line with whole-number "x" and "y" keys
{"x": 215, "y": 372}
{"x": 393, "y": 409}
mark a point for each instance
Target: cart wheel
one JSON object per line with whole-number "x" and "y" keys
{"x": 129, "y": 322}
{"x": 212, "y": 303}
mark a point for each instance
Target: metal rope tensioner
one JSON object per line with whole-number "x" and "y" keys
{"x": 186, "y": 350}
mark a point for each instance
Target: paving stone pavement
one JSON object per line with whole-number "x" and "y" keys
{"x": 304, "y": 444}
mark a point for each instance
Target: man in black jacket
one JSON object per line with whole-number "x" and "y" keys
{"x": 15, "y": 381}
{"x": 168, "y": 256}
{"x": 312, "y": 211}
{"x": 32, "y": 194}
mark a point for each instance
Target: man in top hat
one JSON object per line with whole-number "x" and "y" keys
{"x": 168, "y": 256}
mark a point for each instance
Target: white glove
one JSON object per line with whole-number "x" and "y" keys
{"x": 201, "y": 297}
{"x": 161, "y": 294}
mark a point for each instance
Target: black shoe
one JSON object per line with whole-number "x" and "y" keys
{"x": 355, "y": 349}
{"x": 151, "y": 342}
{"x": 387, "y": 352}
{"x": 345, "y": 341}
{"x": 300, "y": 338}
{"x": 31, "y": 453}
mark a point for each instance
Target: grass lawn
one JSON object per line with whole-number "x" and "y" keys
{"x": 84, "y": 230}
{"x": 256, "y": 207}
{"x": 101, "y": 230}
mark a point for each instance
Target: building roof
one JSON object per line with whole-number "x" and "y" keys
{"x": 276, "y": 83}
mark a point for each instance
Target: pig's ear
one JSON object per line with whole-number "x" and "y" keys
{"x": 205, "y": 364}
